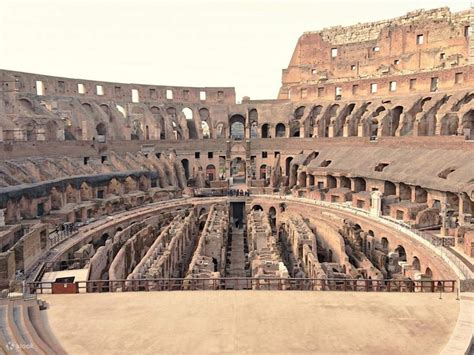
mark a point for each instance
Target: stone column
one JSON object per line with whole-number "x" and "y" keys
{"x": 345, "y": 130}
{"x": 2, "y": 218}
{"x": 376, "y": 198}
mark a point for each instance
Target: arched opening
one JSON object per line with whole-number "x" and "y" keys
{"x": 384, "y": 242}
{"x": 237, "y": 170}
{"x": 204, "y": 114}
{"x": 302, "y": 179}
{"x": 101, "y": 129}
{"x": 428, "y": 273}
{"x": 263, "y": 172}
{"x": 402, "y": 255}
{"x": 253, "y": 120}
{"x": 421, "y": 195}
{"x": 389, "y": 188}
{"x": 253, "y": 130}
{"x": 211, "y": 172}
{"x": 391, "y": 122}
{"x": 331, "y": 182}
{"x": 359, "y": 184}
{"x": 345, "y": 182}
{"x": 295, "y": 129}
{"x": 137, "y": 132}
{"x": 449, "y": 124}
{"x": 185, "y": 164}
{"x": 188, "y": 113}
{"x": 416, "y": 263}
{"x": 280, "y": 130}
{"x": 272, "y": 218}
{"x": 56, "y": 199}
{"x": 288, "y": 165}
{"x": 266, "y": 131}
{"x": 237, "y": 127}
{"x": 468, "y": 125}
{"x": 311, "y": 120}
{"x": 68, "y": 133}
{"x": 206, "y": 132}
{"x": 404, "y": 192}
{"x": 220, "y": 130}
{"x": 299, "y": 112}
{"x": 257, "y": 208}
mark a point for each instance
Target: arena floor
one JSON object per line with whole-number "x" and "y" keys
{"x": 253, "y": 322}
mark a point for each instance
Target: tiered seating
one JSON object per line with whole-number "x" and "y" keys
{"x": 23, "y": 328}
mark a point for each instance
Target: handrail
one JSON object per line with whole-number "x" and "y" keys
{"x": 244, "y": 283}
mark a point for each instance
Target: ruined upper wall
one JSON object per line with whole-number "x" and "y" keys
{"x": 417, "y": 44}
{"x": 28, "y": 83}
{"x": 339, "y": 35}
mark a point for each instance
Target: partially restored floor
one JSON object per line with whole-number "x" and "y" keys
{"x": 253, "y": 322}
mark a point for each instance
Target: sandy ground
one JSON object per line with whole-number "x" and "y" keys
{"x": 201, "y": 322}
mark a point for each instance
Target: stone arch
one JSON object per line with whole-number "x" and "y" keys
{"x": 404, "y": 192}
{"x": 265, "y": 130}
{"x": 359, "y": 184}
{"x": 391, "y": 122}
{"x": 421, "y": 195}
{"x": 280, "y": 130}
{"x": 416, "y": 263}
{"x": 113, "y": 187}
{"x": 331, "y": 182}
{"x": 263, "y": 172}
{"x": 449, "y": 124}
{"x": 253, "y": 130}
{"x": 310, "y": 122}
{"x": 221, "y": 130}
{"x": 402, "y": 255}
{"x": 101, "y": 129}
{"x": 257, "y": 208}
{"x": 85, "y": 192}
{"x": 206, "y": 131}
{"x": 70, "y": 193}
{"x": 288, "y": 165}
{"x": 302, "y": 179}
{"x": 389, "y": 188}
{"x": 185, "y": 164}
{"x": 86, "y": 106}
{"x": 428, "y": 273}
{"x": 468, "y": 124}
{"x": 211, "y": 172}
{"x": 130, "y": 184}
{"x": 56, "y": 199}
{"x": 295, "y": 129}
{"x": 299, "y": 112}
{"x": 237, "y": 127}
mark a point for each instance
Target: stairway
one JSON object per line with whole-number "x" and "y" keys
{"x": 236, "y": 258}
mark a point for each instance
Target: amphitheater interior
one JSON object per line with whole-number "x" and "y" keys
{"x": 335, "y": 218}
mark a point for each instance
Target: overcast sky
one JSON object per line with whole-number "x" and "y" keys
{"x": 241, "y": 43}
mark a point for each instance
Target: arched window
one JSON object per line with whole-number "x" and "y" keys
{"x": 210, "y": 172}
{"x": 220, "y": 130}
{"x": 280, "y": 130}
{"x": 206, "y": 132}
{"x": 188, "y": 113}
{"x": 237, "y": 127}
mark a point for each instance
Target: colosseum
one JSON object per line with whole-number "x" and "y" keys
{"x": 335, "y": 218}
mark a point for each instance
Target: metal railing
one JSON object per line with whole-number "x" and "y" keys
{"x": 281, "y": 284}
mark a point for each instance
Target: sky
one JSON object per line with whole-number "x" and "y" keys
{"x": 239, "y": 43}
